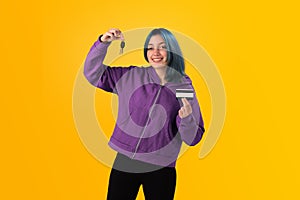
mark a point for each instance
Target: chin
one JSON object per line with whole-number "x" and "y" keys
{"x": 158, "y": 65}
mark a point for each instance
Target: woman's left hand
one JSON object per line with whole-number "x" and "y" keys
{"x": 186, "y": 109}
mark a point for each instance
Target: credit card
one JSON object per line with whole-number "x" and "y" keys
{"x": 185, "y": 93}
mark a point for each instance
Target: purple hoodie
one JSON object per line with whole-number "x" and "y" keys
{"x": 148, "y": 127}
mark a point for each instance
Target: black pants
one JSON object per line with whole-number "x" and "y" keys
{"x": 157, "y": 185}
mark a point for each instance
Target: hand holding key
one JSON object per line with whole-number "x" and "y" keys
{"x": 111, "y": 35}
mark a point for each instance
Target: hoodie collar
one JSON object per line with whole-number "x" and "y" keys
{"x": 155, "y": 78}
{"x": 153, "y": 75}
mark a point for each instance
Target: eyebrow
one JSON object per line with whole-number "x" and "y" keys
{"x": 158, "y": 43}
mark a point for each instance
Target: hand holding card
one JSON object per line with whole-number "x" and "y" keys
{"x": 186, "y": 109}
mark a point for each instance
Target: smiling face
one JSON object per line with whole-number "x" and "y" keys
{"x": 157, "y": 52}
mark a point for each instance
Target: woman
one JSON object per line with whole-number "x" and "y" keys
{"x": 152, "y": 122}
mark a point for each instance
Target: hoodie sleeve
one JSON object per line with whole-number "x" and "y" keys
{"x": 99, "y": 74}
{"x": 191, "y": 127}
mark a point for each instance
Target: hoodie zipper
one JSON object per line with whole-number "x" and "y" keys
{"x": 150, "y": 112}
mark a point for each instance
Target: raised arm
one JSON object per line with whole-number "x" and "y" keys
{"x": 97, "y": 73}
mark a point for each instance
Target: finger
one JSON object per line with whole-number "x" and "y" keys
{"x": 188, "y": 104}
{"x": 113, "y": 31}
{"x": 180, "y": 113}
{"x": 185, "y": 102}
{"x": 183, "y": 109}
{"x": 113, "y": 35}
{"x": 116, "y": 33}
{"x": 108, "y": 36}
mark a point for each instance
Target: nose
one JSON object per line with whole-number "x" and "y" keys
{"x": 156, "y": 51}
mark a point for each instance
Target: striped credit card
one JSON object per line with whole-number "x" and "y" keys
{"x": 185, "y": 93}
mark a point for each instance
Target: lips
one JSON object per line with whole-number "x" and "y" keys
{"x": 157, "y": 60}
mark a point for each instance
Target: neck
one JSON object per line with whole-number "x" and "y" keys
{"x": 161, "y": 72}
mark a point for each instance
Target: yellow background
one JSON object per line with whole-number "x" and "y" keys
{"x": 255, "y": 45}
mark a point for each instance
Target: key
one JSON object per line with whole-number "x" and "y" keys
{"x": 122, "y": 45}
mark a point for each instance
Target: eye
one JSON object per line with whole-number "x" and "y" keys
{"x": 149, "y": 48}
{"x": 163, "y": 47}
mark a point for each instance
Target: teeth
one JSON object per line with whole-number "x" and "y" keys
{"x": 157, "y": 59}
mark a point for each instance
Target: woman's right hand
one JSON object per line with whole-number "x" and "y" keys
{"x": 111, "y": 35}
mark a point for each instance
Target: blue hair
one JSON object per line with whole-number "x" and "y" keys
{"x": 175, "y": 60}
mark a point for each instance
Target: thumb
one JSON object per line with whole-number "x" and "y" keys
{"x": 180, "y": 113}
